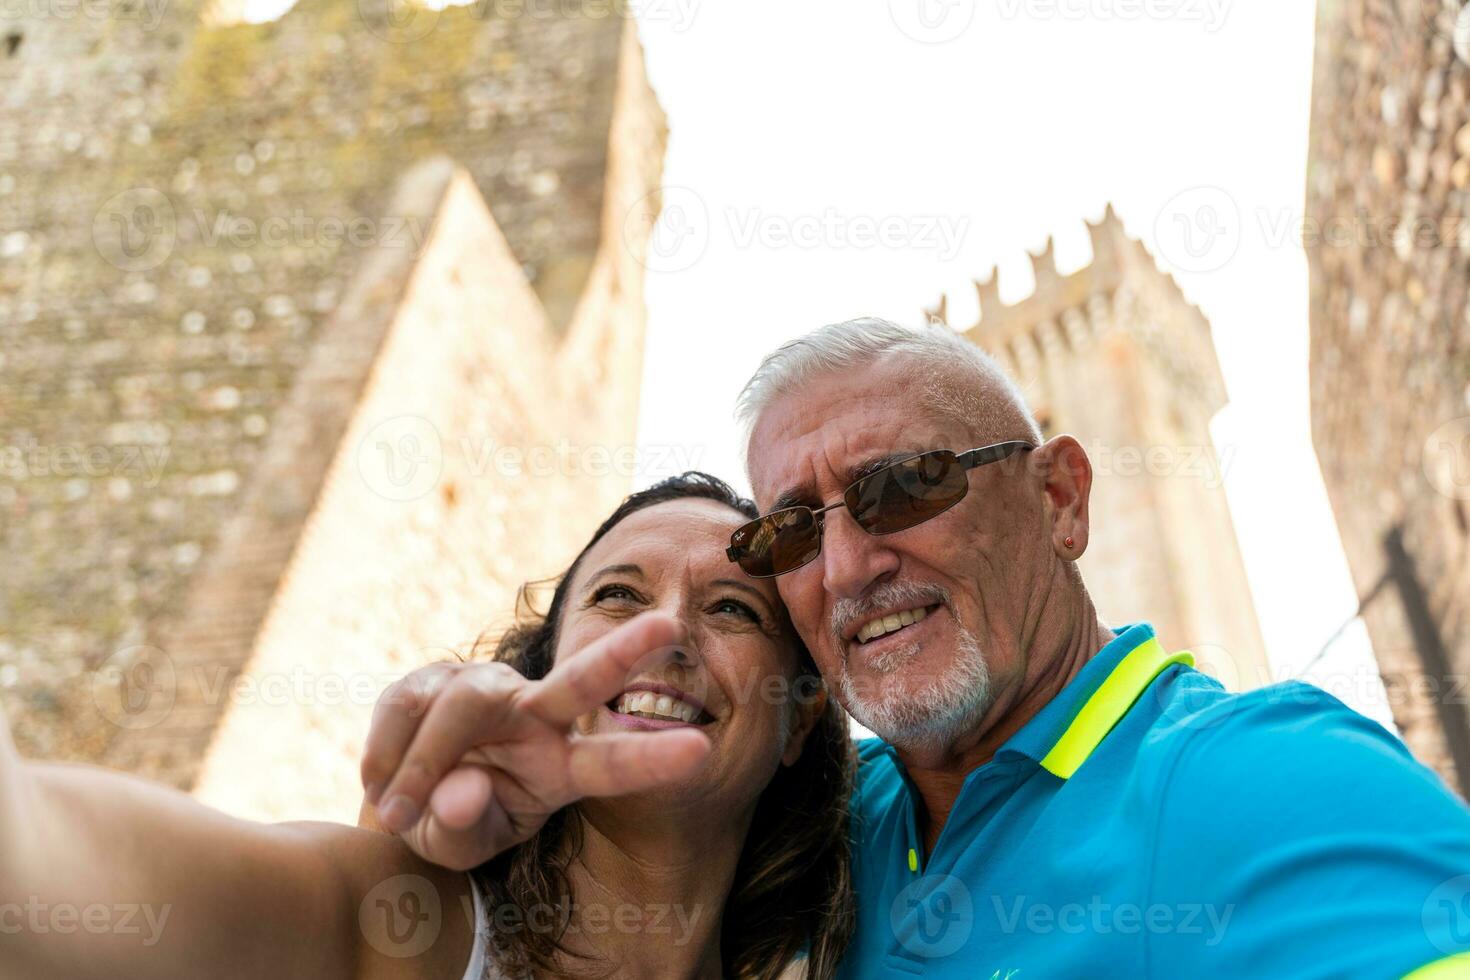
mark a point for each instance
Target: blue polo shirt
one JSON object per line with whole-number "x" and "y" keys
{"x": 1191, "y": 833}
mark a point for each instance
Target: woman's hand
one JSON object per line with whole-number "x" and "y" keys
{"x": 467, "y": 760}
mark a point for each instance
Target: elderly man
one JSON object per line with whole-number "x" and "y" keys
{"x": 1051, "y": 796}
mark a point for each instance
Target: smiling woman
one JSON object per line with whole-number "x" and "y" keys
{"x": 790, "y": 888}
{"x": 648, "y": 781}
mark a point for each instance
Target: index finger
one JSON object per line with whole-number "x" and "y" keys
{"x": 396, "y": 719}
{"x": 589, "y": 678}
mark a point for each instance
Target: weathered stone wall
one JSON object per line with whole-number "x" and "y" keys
{"x": 184, "y": 209}
{"x": 1387, "y": 243}
{"x": 1114, "y": 355}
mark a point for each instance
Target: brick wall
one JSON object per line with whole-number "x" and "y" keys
{"x": 182, "y": 364}
{"x": 1386, "y": 205}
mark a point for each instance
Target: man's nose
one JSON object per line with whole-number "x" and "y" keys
{"x": 853, "y": 560}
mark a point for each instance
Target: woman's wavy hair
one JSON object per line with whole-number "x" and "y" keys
{"x": 792, "y": 892}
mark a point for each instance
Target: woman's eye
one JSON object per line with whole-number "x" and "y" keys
{"x": 620, "y": 592}
{"x": 739, "y": 608}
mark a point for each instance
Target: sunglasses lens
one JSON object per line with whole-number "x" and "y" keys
{"x": 777, "y": 542}
{"x": 908, "y": 493}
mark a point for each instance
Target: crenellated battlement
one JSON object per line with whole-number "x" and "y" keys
{"x": 1122, "y": 287}
{"x": 1115, "y": 356}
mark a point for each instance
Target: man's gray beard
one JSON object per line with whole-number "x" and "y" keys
{"x": 933, "y": 715}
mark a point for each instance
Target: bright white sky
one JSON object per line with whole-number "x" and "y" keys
{"x": 795, "y": 118}
{"x": 967, "y": 132}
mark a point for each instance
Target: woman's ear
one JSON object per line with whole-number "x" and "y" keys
{"x": 807, "y": 707}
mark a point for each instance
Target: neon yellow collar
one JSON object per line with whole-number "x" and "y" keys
{"x": 1109, "y": 703}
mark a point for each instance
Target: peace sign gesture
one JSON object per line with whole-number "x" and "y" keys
{"x": 466, "y": 760}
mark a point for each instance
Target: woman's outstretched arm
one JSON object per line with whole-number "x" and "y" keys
{"x": 106, "y": 875}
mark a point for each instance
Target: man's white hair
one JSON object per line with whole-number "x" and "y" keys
{"x": 982, "y": 395}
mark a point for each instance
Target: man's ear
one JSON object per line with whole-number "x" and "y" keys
{"x": 1067, "y": 475}
{"x": 808, "y": 706}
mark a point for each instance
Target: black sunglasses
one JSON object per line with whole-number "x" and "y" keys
{"x": 898, "y": 496}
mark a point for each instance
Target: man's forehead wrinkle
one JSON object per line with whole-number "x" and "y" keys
{"x": 833, "y": 429}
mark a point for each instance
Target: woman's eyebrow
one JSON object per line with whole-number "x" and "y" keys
{"x": 742, "y": 586}
{"x": 623, "y": 569}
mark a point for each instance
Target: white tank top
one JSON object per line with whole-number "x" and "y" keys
{"x": 480, "y": 950}
{"x": 481, "y": 967}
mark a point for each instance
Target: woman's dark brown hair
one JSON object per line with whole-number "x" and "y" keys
{"x": 792, "y": 890}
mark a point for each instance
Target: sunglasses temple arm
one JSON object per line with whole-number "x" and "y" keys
{"x": 991, "y": 454}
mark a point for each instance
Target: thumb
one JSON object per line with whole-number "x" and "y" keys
{"x": 459, "y": 800}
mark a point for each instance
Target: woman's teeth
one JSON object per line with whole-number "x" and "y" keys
{"x": 652, "y": 705}
{"x": 891, "y": 622}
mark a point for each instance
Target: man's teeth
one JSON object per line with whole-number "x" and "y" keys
{"x": 656, "y": 706}
{"x": 889, "y": 623}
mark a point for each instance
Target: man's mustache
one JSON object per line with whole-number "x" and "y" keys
{"x": 846, "y": 612}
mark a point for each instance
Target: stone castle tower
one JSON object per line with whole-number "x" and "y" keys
{"x": 1388, "y": 228}
{"x": 1114, "y": 355}
{"x": 319, "y": 336}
